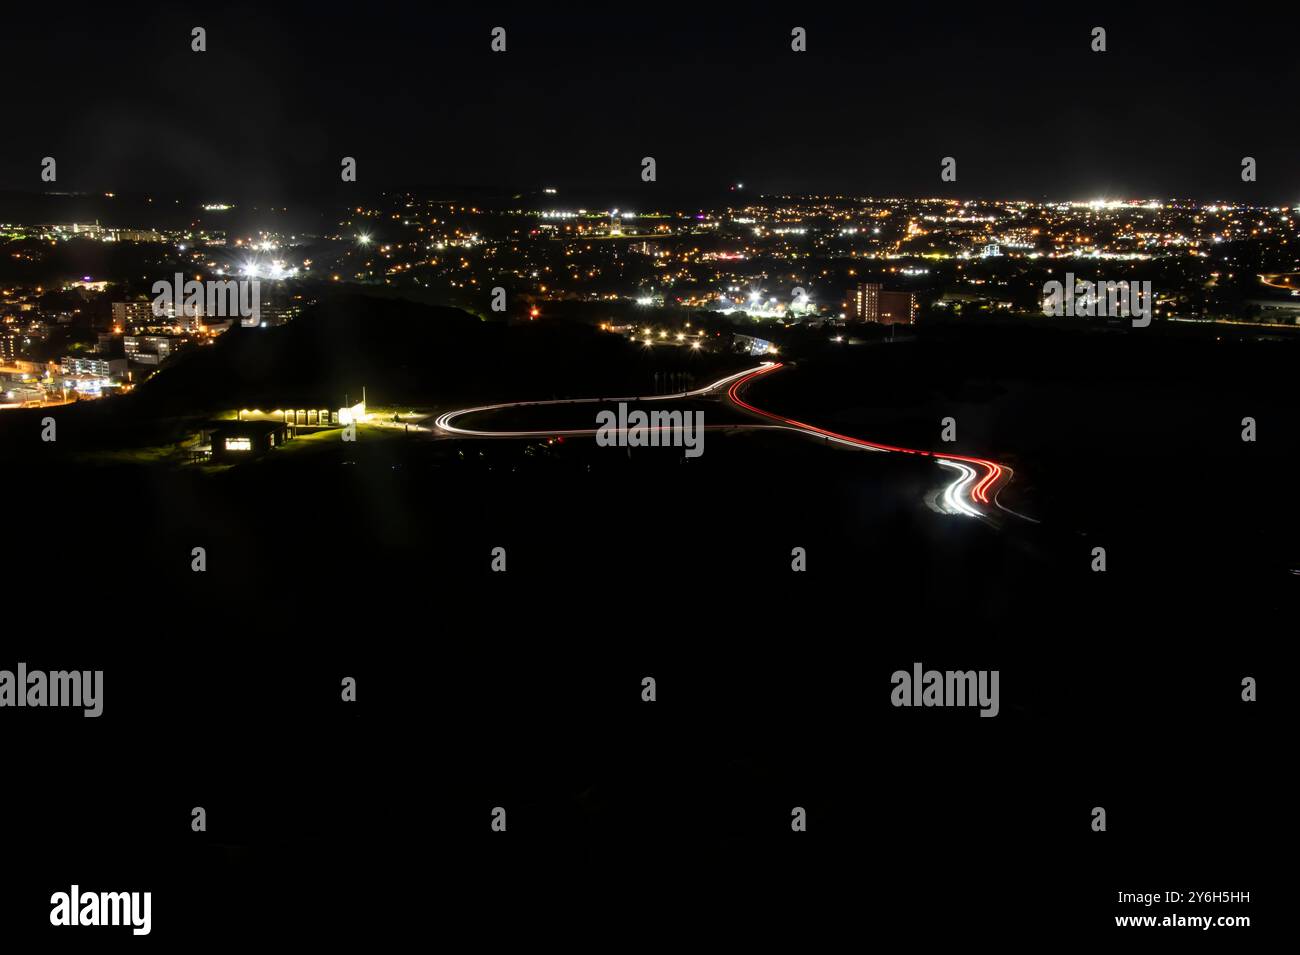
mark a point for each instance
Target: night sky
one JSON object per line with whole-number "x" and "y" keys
{"x": 415, "y": 94}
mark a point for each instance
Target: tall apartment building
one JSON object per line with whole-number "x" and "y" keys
{"x": 869, "y": 302}
{"x": 864, "y": 302}
{"x": 126, "y": 314}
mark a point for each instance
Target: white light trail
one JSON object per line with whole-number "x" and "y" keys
{"x": 444, "y": 420}
{"x": 954, "y": 496}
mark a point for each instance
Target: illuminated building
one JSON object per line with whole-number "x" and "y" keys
{"x": 247, "y": 439}
{"x": 93, "y": 365}
{"x": 150, "y": 349}
{"x": 126, "y": 314}
{"x": 864, "y": 302}
{"x": 278, "y": 313}
{"x": 869, "y": 302}
{"x": 897, "y": 308}
{"x": 85, "y": 383}
{"x": 315, "y": 417}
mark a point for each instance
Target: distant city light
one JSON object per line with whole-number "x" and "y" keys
{"x": 276, "y": 271}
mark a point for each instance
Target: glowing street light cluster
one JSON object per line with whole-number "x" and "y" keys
{"x": 273, "y": 271}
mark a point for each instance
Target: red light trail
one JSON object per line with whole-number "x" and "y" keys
{"x": 979, "y": 493}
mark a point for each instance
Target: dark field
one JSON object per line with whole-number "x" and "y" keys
{"x": 520, "y": 689}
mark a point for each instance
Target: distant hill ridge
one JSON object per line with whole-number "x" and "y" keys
{"x": 402, "y": 352}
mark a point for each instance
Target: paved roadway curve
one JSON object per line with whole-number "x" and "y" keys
{"x": 977, "y": 481}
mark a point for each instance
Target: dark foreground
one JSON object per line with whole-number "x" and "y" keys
{"x": 522, "y": 690}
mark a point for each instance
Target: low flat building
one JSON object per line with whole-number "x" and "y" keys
{"x": 85, "y": 383}
{"x": 95, "y": 365}
{"x": 317, "y": 417}
{"x": 240, "y": 440}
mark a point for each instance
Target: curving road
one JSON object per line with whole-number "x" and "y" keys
{"x": 976, "y": 478}
{"x": 955, "y": 497}
{"x": 444, "y": 421}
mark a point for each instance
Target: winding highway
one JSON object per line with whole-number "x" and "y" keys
{"x": 444, "y": 421}
{"x": 954, "y": 496}
{"x": 976, "y": 483}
